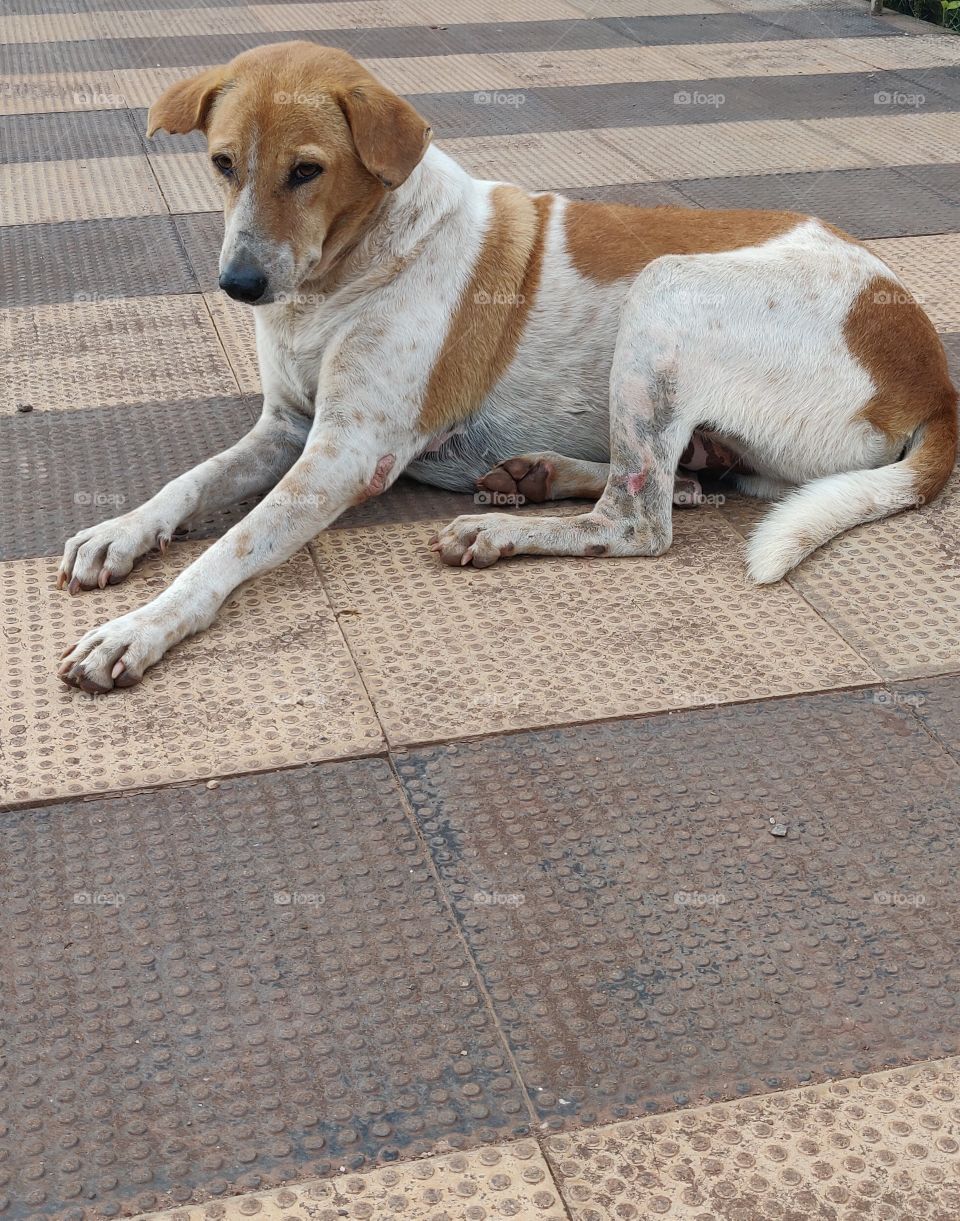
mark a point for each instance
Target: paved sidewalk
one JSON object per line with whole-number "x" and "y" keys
{"x": 562, "y": 889}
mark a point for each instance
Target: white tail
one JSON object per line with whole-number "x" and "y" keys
{"x": 824, "y": 508}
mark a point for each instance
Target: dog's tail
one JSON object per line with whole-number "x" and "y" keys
{"x": 824, "y": 508}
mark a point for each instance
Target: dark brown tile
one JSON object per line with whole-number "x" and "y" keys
{"x": 936, "y": 701}
{"x": 214, "y": 990}
{"x": 61, "y": 471}
{"x": 889, "y": 202}
{"x": 649, "y": 938}
{"x": 88, "y": 260}
{"x": 202, "y": 236}
{"x": 68, "y": 136}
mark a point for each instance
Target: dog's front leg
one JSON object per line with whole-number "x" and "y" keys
{"x": 337, "y": 469}
{"x": 105, "y": 553}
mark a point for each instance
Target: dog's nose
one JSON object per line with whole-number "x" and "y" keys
{"x": 244, "y": 282}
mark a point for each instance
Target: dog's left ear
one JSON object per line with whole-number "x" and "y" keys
{"x": 185, "y": 106}
{"x": 389, "y": 135}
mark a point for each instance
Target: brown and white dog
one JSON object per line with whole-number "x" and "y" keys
{"x": 410, "y": 318}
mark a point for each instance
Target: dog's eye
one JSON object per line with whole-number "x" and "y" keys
{"x": 223, "y": 164}
{"x": 306, "y": 171}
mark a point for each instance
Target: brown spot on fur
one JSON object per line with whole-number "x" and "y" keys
{"x": 595, "y": 549}
{"x": 242, "y": 546}
{"x": 608, "y": 242}
{"x": 891, "y": 336}
{"x": 489, "y": 320}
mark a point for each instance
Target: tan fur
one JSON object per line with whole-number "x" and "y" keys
{"x": 489, "y": 320}
{"x": 300, "y": 101}
{"x": 891, "y": 336}
{"x": 608, "y": 242}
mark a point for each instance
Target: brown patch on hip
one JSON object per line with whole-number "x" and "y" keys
{"x": 608, "y": 242}
{"x": 895, "y": 341}
{"x": 488, "y": 322}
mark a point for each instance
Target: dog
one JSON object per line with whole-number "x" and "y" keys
{"x": 411, "y": 318}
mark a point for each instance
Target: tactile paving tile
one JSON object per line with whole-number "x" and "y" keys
{"x": 867, "y": 203}
{"x": 142, "y": 86}
{"x": 186, "y": 180}
{"x": 270, "y": 684}
{"x": 456, "y": 651}
{"x": 41, "y": 192}
{"x": 883, "y": 1145}
{"x": 214, "y": 991}
{"x": 57, "y": 91}
{"x": 936, "y": 701}
{"x": 497, "y": 1181}
{"x": 69, "y": 135}
{"x": 896, "y": 139}
{"x": 892, "y": 588}
{"x": 648, "y": 942}
{"x": 927, "y": 266}
{"x": 61, "y": 471}
{"x": 202, "y": 236}
{"x": 234, "y": 323}
{"x": 99, "y": 351}
{"x": 138, "y": 256}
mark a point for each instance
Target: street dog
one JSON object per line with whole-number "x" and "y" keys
{"x": 473, "y": 334}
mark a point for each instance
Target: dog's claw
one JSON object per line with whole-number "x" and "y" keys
{"x": 73, "y": 588}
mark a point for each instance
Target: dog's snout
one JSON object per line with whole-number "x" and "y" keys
{"x": 244, "y": 281}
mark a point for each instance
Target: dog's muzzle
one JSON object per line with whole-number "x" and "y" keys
{"x": 244, "y": 280}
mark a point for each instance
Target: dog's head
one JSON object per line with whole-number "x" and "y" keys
{"x": 306, "y": 144}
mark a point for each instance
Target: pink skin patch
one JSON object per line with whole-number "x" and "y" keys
{"x": 379, "y": 480}
{"x": 636, "y": 483}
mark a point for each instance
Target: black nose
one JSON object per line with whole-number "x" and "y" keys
{"x": 244, "y": 282}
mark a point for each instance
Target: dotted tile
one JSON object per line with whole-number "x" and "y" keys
{"x": 455, "y": 651}
{"x": 924, "y": 264}
{"x": 213, "y": 991}
{"x": 46, "y": 192}
{"x": 936, "y": 702}
{"x": 98, "y": 351}
{"x": 883, "y": 1145}
{"x": 691, "y": 907}
{"x": 270, "y": 684}
{"x": 892, "y": 588}
{"x": 89, "y": 259}
{"x": 39, "y": 91}
{"x": 61, "y": 471}
{"x": 186, "y": 180}
{"x": 498, "y": 1181}
{"x": 234, "y": 323}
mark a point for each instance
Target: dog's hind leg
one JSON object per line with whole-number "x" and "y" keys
{"x": 649, "y": 430}
{"x": 545, "y": 476}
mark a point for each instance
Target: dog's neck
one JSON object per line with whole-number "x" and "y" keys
{"x": 399, "y": 224}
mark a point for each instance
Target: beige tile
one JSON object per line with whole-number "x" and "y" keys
{"x": 234, "y": 323}
{"x": 645, "y": 8}
{"x": 881, "y": 1146}
{"x": 776, "y": 57}
{"x": 386, "y": 13}
{"x": 93, "y": 353}
{"x": 142, "y": 86}
{"x": 457, "y": 652}
{"x": 179, "y": 23}
{"x": 928, "y": 267}
{"x": 929, "y": 51}
{"x": 497, "y": 1181}
{"x": 895, "y": 139}
{"x": 542, "y": 159}
{"x": 45, "y": 192}
{"x": 269, "y": 685}
{"x": 892, "y": 588}
{"x": 187, "y": 182}
{"x": 60, "y": 91}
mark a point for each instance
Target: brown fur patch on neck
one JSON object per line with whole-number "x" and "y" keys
{"x": 608, "y": 242}
{"x": 488, "y": 322}
{"x": 895, "y": 341}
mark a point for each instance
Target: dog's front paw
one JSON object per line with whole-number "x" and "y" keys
{"x": 479, "y": 540}
{"x": 104, "y": 554}
{"x": 116, "y": 654}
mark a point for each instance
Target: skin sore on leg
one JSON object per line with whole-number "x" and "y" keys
{"x": 378, "y": 481}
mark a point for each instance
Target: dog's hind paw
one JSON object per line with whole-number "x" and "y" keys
{"x": 520, "y": 480}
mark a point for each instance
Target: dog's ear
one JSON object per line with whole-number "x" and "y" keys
{"x": 389, "y": 135}
{"x": 185, "y": 106}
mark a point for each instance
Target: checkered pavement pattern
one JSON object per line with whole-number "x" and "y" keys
{"x": 558, "y": 890}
